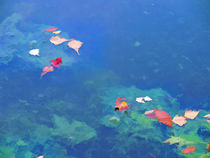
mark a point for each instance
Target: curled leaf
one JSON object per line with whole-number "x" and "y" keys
{"x": 122, "y": 106}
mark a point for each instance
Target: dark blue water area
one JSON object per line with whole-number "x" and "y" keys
{"x": 148, "y": 44}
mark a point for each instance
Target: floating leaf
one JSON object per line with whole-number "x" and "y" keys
{"x": 208, "y": 147}
{"x": 74, "y": 44}
{"x": 57, "y": 32}
{"x": 122, "y": 106}
{"x": 140, "y": 100}
{"x": 150, "y": 114}
{"x": 207, "y": 116}
{"x": 189, "y": 149}
{"x": 57, "y": 40}
{"x": 47, "y": 69}
{"x": 181, "y": 141}
{"x": 51, "y": 29}
{"x": 56, "y": 62}
{"x": 163, "y": 117}
{"x": 147, "y": 98}
{"x": 190, "y": 114}
{"x": 174, "y": 140}
{"x": 34, "y": 52}
{"x": 179, "y": 120}
{"x": 143, "y": 99}
{"x": 118, "y": 100}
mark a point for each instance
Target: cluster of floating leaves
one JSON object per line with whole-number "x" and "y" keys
{"x": 164, "y": 118}
{"x": 121, "y": 104}
{"x": 57, "y": 40}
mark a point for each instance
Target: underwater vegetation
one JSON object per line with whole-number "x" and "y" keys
{"x": 53, "y": 106}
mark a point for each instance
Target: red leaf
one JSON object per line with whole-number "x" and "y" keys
{"x": 163, "y": 117}
{"x": 51, "y": 29}
{"x": 56, "y": 62}
{"x": 189, "y": 149}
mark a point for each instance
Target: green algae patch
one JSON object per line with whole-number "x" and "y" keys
{"x": 6, "y": 152}
{"x": 79, "y": 131}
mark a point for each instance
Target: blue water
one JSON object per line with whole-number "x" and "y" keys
{"x": 130, "y": 49}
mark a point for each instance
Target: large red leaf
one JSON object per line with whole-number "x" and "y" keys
{"x": 163, "y": 117}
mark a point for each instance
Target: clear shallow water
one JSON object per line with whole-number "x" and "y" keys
{"x": 142, "y": 44}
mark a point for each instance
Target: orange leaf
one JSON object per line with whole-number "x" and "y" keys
{"x": 179, "y": 120}
{"x": 207, "y": 116}
{"x": 190, "y": 114}
{"x": 163, "y": 117}
{"x": 56, "y": 40}
{"x": 74, "y": 44}
{"x": 208, "y": 147}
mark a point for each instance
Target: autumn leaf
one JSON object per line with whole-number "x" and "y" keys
{"x": 207, "y": 116}
{"x": 179, "y": 120}
{"x": 74, "y": 44}
{"x": 190, "y": 114}
{"x": 56, "y": 40}
{"x": 189, "y": 149}
{"x": 181, "y": 141}
{"x": 51, "y": 29}
{"x": 163, "y": 117}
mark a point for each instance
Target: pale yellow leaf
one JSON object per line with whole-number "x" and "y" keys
{"x": 57, "y": 40}
{"x": 57, "y": 32}
{"x": 74, "y": 44}
{"x": 190, "y": 114}
{"x": 179, "y": 120}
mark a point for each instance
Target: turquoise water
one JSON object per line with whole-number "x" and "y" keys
{"x": 129, "y": 49}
